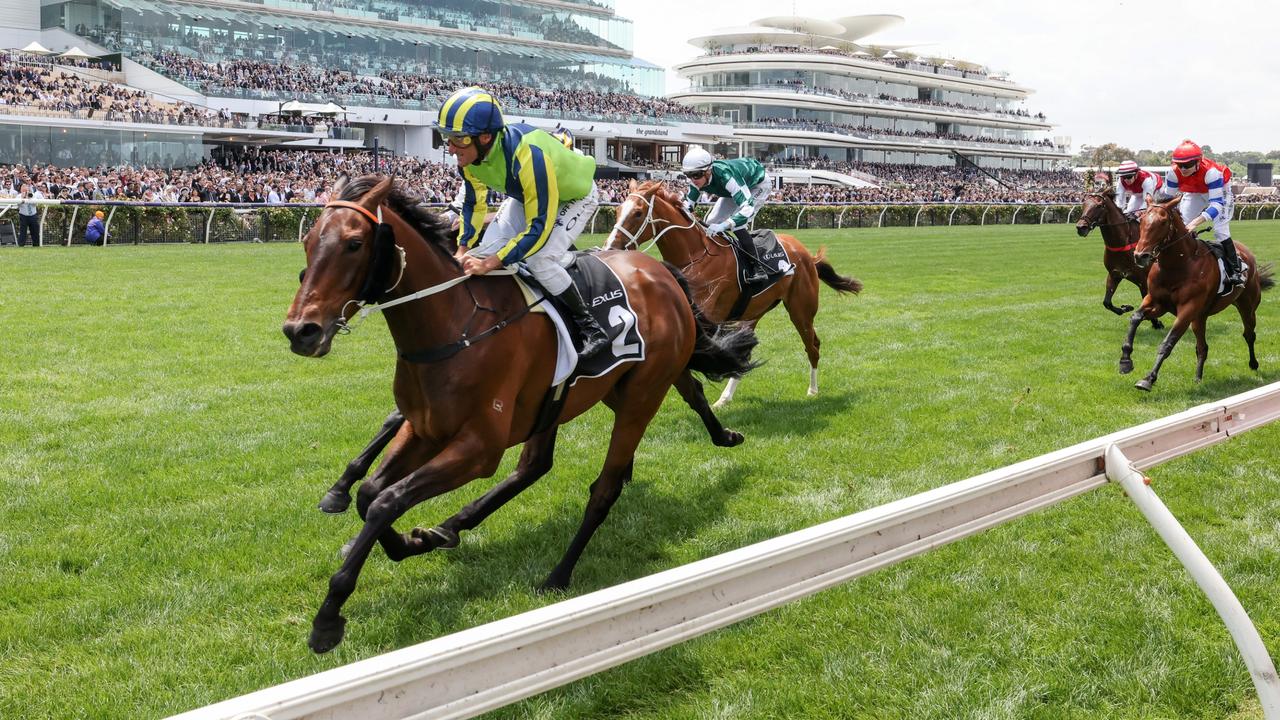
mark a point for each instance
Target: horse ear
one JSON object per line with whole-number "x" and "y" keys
{"x": 1150, "y": 200}
{"x": 338, "y": 186}
{"x": 378, "y": 194}
{"x": 631, "y": 185}
{"x": 1173, "y": 202}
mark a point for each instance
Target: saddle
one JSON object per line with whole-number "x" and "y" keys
{"x": 607, "y": 298}
{"x": 776, "y": 262}
{"x": 1215, "y": 249}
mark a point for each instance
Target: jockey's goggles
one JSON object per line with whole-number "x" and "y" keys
{"x": 457, "y": 140}
{"x": 1128, "y": 174}
{"x": 1188, "y": 164}
{"x": 695, "y": 174}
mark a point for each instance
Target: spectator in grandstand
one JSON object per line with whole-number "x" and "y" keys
{"x": 28, "y": 220}
{"x": 1206, "y": 198}
{"x": 742, "y": 186}
{"x": 551, "y": 195}
{"x": 1133, "y": 186}
{"x": 95, "y": 233}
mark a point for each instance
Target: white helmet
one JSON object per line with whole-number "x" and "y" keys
{"x": 696, "y": 159}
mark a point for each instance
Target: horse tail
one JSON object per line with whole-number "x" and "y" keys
{"x": 1267, "y": 276}
{"x": 719, "y": 352}
{"x": 834, "y": 280}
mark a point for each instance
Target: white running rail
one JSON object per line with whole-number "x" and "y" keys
{"x": 483, "y": 668}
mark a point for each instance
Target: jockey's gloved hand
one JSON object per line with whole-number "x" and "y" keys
{"x": 717, "y": 228}
{"x": 688, "y": 206}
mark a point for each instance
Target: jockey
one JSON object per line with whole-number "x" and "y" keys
{"x": 1133, "y": 185}
{"x": 1206, "y": 197}
{"x": 551, "y": 194}
{"x": 741, "y": 186}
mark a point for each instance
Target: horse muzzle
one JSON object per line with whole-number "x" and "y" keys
{"x": 1143, "y": 259}
{"x": 1082, "y": 229}
{"x": 308, "y": 339}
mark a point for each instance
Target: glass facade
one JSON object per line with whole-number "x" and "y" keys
{"x": 92, "y": 147}
{"x": 472, "y": 39}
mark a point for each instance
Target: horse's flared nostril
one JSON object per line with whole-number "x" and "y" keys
{"x": 302, "y": 333}
{"x": 1082, "y": 230}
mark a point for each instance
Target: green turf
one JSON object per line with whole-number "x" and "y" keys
{"x": 161, "y": 454}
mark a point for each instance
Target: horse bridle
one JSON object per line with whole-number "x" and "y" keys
{"x": 633, "y": 239}
{"x": 1173, "y": 238}
{"x": 1096, "y": 225}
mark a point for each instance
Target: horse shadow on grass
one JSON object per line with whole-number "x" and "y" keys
{"x": 766, "y": 416}
{"x": 640, "y": 537}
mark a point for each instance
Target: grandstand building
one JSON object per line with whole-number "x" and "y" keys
{"x": 812, "y": 92}
{"x": 272, "y": 72}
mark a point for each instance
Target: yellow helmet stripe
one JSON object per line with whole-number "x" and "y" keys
{"x": 461, "y": 115}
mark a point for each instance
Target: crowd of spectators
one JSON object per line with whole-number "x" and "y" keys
{"x": 800, "y": 86}
{"x": 916, "y": 183}
{"x": 868, "y": 131}
{"x": 476, "y": 16}
{"x": 559, "y": 95}
{"x": 907, "y": 63}
{"x": 46, "y": 90}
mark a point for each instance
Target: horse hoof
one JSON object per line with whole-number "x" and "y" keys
{"x": 1126, "y": 367}
{"x": 1144, "y": 384}
{"x": 719, "y": 404}
{"x": 438, "y": 537}
{"x": 1126, "y": 308}
{"x": 731, "y": 438}
{"x": 326, "y": 636}
{"x": 1253, "y": 364}
{"x": 335, "y": 503}
{"x": 812, "y": 392}
{"x": 345, "y": 550}
{"x": 553, "y": 585}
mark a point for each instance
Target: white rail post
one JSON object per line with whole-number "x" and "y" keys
{"x": 880, "y": 220}
{"x": 44, "y": 213}
{"x": 71, "y": 224}
{"x": 1273, "y": 212}
{"x": 1042, "y": 212}
{"x": 800, "y": 215}
{"x": 983, "y": 220}
{"x": 301, "y": 220}
{"x": 840, "y": 219}
{"x": 1071, "y": 212}
{"x": 1138, "y": 487}
{"x": 106, "y": 227}
{"x": 208, "y": 225}
{"x": 952, "y": 215}
{"x": 1014, "y": 220}
{"x": 916, "y": 223}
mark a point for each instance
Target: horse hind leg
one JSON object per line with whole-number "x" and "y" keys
{"x": 338, "y": 498}
{"x": 691, "y": 390}
{"x": 731, "y": 387}
{"x": 1202, "y": 346}
{"x": 1250, "y": 320}
{"x": 802, "y": 307}
{"x": 1112, "y": 282}
{"x": 629, "y": 423}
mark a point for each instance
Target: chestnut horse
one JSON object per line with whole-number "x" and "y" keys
{"x": 482, "y": 366}
{"x": 1184, "y": 281}
{"x": 654, "y": 214}
{"x": 1119, "y": 238}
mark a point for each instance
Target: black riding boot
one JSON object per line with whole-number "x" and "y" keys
{"x": 594, "y": 338}
{"x": 1235, "y": 273}
{"x": 757, "y": 273}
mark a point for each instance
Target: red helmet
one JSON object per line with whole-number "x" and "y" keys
{"x": 1186, "y": 152}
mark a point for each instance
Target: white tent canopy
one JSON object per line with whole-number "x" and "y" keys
{"x": 36, "y": 48}
{"x": 330, "y": 108}
{"x": 890, "y": 56}
{"x": 75, "y": 52}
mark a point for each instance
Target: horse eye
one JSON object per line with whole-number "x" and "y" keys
{"x": 354, "y": 245}
{"x": 301, "y": 274}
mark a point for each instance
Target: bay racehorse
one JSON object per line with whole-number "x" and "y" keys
{"x": 482, "y": 366}
{"x": 654, "y": 214}
{"x": 1184, "y": 280}
{"x": 1119, "y": 238}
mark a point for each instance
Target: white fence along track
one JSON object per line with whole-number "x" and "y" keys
{"x": 483, "y": 668}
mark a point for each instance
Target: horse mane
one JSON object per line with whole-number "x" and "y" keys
{"x": 409, "y": 205}
{"x": 659, "y": 188}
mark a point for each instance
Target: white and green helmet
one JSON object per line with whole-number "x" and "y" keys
{"x": 696, "y": 159}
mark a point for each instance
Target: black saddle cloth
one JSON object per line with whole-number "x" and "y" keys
{"x": 773, "y": 256}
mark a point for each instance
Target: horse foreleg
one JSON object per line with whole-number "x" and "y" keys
{"x": 1112, "y": 282}
{"x": 338, "y": 499}
{"x": 535, "y": 461}
{"x": 1202, "y": 346}
{"x": 726, "y": 396}
{"x": 802, "y": 310}
{"x": 460, "y": 462}
{"x": 1126, "y": 350}
{"x": 691, "y": 390}
{"x": 1166, "y": 347}
{"x": 1141, "y": 282}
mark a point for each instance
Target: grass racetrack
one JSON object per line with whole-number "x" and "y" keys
{"x": 162, "y": 452}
